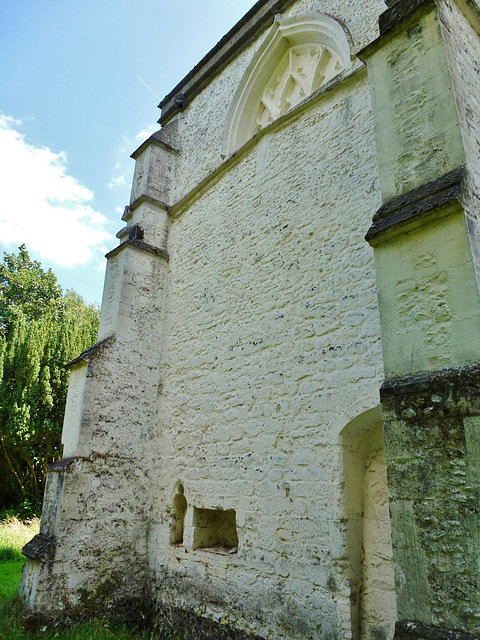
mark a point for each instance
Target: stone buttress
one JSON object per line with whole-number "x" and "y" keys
{"x": 423, "y": 77}
{"x": 91, "y": 552}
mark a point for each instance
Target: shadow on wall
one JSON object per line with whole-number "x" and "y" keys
{"x": 369, "y": 538}
{"x": 207, "y": 529}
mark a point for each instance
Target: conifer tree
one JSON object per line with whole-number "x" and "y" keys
{"x": 41, "y": 330}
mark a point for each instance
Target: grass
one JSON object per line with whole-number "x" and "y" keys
{"x": 13, "y": 535}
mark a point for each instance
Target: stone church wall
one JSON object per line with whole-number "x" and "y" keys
{"x": 462, "y": 43}
{"x": 271, "y": 350}
{"x": 200, "y": 130}
{"x": 225, "y": 468}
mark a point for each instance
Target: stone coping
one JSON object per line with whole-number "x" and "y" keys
{"x": 402, "y": 12}
{"x": 61, "y": 465}
{"x": 406, "y": 630}
{"x": 87, "y": 355}
{"x": 408, "y": 206}
{"x": 260, "y": 17}
{"x": 463, "y": 376}
{"x": 398, "y": 12}
{"x": 40, "y": 547}
{"x": 141, "y": 246}
{"x": 155, "y": 139}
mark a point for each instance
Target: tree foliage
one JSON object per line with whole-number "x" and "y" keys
{"x": 41, "y": 330}
{"x": 25, "y": 288}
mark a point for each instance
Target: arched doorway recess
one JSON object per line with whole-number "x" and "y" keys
{"x": 369, "y": 540}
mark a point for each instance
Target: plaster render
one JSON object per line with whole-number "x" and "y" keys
{"x": 271, "y": 445}
{"x": 225, "y": 437}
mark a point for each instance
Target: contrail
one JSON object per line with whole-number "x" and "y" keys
{"x": 147, "y": 87}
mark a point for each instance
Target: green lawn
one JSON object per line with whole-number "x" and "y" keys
{"x": 13, "y": 535}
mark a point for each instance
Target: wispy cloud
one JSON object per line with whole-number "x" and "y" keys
{"x": 122, "y": 172}
{"x": 43, "y": 205}
{"x": 147, "y": 87}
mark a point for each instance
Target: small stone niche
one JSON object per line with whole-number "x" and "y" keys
{"x": 215, "y": 530}
{"x": 179, "y": 512}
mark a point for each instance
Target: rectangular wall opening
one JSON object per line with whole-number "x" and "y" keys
{"x": 215, "y": 530}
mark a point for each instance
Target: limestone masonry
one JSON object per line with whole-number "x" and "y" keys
{"x": 277, "y": 435}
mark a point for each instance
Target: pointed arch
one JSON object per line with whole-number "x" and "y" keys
{"x": 299, "y": 55}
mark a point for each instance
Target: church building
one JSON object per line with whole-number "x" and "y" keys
{"x": 277, "y": 434}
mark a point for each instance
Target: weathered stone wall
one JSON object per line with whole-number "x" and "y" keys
{"x": 97, "y": 502}
{"x": 416, "y": 122}
{"x": 431, "y": 322}
{"x": 431, "y": 432}
{"x": 232, "y": 402}
{"x": 201, "y": 128}
{"x": 461, "y": 26}
{"x": 429, "y": 308}
{"x": 378, "y": 599}
{"x": 271, "y": 349}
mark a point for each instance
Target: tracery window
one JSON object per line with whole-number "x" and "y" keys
{"x": 302, "y": 71}
{"x": 298, "y": 56}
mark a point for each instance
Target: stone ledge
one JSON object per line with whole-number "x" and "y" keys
{"x": 141, "y": 200}
{"x": 141, "y": 246}
{"x": 122, "y": 233}
{"x": 130, "y": 208}
{"x": 61, "y": 465}
{"x": 417, "y": 202}
{"x": 92, "y": 352}
{"x": 463, "y": 376}
{"x": 156, "y": 140}
{"x": 398, "y": 12}
{"x": 39, "y": 548}
{"x": 406, "y": 630}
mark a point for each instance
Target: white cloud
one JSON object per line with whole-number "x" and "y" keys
{"x": 146, "y": 133}
{"x": 123, "y": 170}
{"x": 43, "y": 206}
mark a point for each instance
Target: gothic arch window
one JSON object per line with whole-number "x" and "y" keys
{"x": 299, "y": 56}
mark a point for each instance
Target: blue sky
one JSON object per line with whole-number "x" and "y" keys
{"x": 79, "y": 86}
